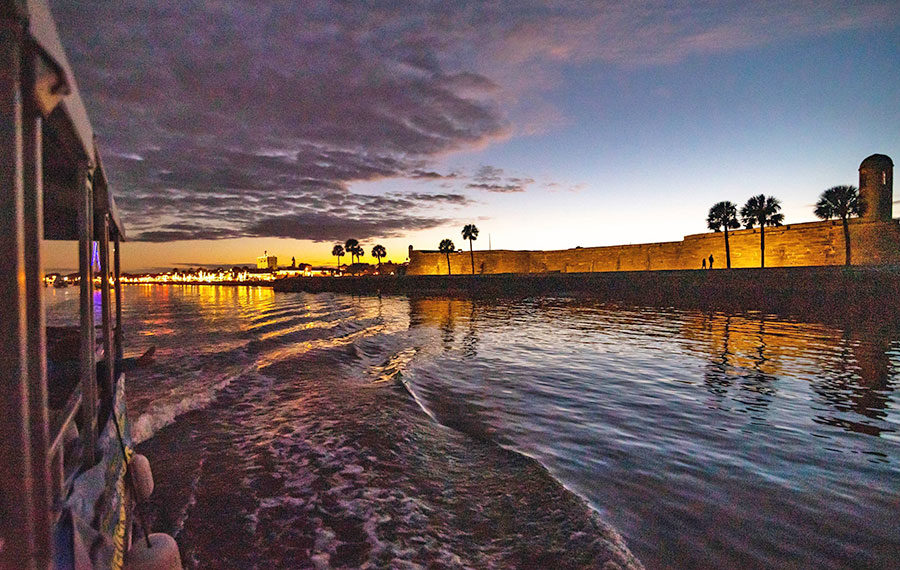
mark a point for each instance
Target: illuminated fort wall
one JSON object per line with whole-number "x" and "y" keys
{"x": 813, "y": 243}
{"x": 874, "y": 240}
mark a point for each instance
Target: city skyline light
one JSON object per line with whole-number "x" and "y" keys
{"x": 228, "y": 128}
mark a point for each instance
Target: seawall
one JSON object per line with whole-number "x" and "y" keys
{"x": 793, "y": 245}
{"x": 871, "y": 293}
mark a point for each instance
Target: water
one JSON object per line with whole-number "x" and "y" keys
{"x": 295, "y": 430}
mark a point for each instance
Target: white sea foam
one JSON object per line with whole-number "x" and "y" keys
{"x": 163, "y": 414}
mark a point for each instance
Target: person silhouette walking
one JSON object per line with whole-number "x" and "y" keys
{"x": 711, "y": 261}
{"x": 703, "y": 263}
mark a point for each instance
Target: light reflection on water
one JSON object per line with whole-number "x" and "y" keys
{"x": 710, "y": 440}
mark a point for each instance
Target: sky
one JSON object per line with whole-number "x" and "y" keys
{"x": 230, "y": 128}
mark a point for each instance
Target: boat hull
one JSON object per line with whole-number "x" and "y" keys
{"x": 98, "y": 512}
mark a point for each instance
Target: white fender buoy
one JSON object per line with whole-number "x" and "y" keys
{"x": 162, "y": 554}
{"x": 142, "y": 476}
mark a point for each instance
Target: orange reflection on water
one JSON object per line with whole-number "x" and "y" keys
{"x": 850, "y": 369}
{"x": 746, "y": 355}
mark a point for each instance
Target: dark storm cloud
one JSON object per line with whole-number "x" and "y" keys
{"x": 305, "y": 217}
{"x": 189, "y": 234}
{"x": 217, "y": 115}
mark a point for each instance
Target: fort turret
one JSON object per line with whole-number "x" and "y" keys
{"x": 876, "y": 187}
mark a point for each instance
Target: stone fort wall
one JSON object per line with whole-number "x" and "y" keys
{"x": 873, "y": 242}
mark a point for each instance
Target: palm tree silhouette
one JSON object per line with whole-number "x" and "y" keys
{"x": 378, "y": 252}
{"x": 447, "y": 248}
{"x": 765, "y": 211}
{"x": 350, "y": 246}
{"x": 723, "y": 215}
{"x": 359, "y": 252}
{"x": 338, "y": 251}
{"x": 470, "y": 232}
{"x": 841, "y": 202}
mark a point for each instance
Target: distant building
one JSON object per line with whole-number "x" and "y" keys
{"x": 296, "y": 270}
{"x": 266, "y": 261}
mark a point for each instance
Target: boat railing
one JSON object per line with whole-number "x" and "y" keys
{"x": 52, "y": 186}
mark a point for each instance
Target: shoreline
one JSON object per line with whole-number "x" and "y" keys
{"x": 226, "y": 283}
{"x": 861, "y": 292}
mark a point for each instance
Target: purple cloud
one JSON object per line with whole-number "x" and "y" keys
{"x": 216, "y": 115}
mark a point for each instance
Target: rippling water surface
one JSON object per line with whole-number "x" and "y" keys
{"x": 296, "y": 430}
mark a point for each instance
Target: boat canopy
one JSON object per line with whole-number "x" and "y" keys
{"x": 68, "y": 140}
{"x": 62, "y": 194}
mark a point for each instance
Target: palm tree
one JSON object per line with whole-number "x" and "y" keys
{"x": 338, "y": 252}
{"x": 470, "y": 232}
{"x": 350, "y": 246}
{"x": 723, "y": 215}
{"x": 447, "y": 248}
{"x": 360, "y": 252}
{"x": 765, "y": 211}
{"x": 378, "y": 252}
{"x": 841, "y": 202}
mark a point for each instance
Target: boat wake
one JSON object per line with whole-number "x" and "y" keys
{"x": 313, "y": 449}
{"x": 161, "y": 415}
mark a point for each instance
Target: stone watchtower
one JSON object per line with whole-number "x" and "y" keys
{"x": 876, "y": 187}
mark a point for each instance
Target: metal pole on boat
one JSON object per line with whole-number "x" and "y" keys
{"x": 117, "y": 268}
{"x": 33, "y": 177}
{"x": 106, "y": 311}
{"x": 87, "y": 350}
{"x": 16, "y": 477}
